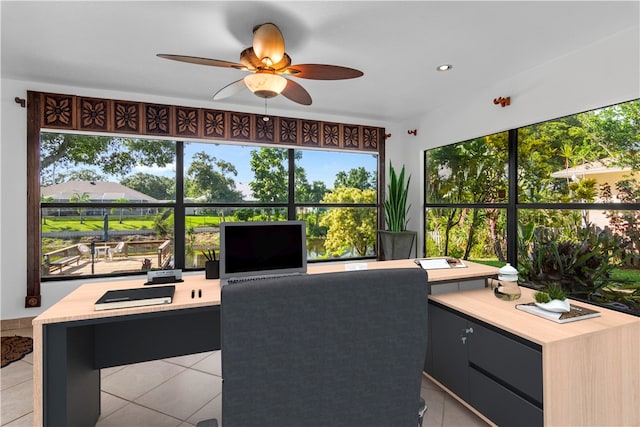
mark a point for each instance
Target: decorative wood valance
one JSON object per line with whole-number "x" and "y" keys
{"x": 79, "y": 113}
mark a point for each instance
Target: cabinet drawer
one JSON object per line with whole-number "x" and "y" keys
{"x": 501, "y": 405}
{"x": 508, "y": 360}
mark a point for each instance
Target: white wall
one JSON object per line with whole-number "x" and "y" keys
{"x": 602, "y": 74}
{"x": 605, "y": 73}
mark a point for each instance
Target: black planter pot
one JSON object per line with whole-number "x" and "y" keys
{"x": 397, "y": 244}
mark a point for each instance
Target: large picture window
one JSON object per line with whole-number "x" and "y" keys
{"x": 564, "y": 207}
{"x": 113, "y": 205}
{"x": 113, "y": 138}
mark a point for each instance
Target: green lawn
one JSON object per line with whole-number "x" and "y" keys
{"x": 492, "y": 262}
{"x": 627, "y": 275}
{"x": 91, "y": 223}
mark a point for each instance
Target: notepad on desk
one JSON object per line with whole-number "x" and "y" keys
{"x": 440, "y": 263}
{"x": 136, "y": 297}
{"x": 574, "y": 314}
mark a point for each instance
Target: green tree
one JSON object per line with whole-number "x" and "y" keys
{"x": 111, "y": 155}
{"x": 356, "y": 178}
{"x": 302, "y": 186}
{"x": 350, "y": 228}
{"x": 470, "y": 172}
{"x": 162, "y": 224}
{"x": 158, "y": 187}
{"x": 270, "y": 173}
{"x": 208, "y": 176}
{"x": 82, "y": 175}
{"x": 615, "y": 131}
{"x": 314, "y": 194}
{"x": 80, "y": 198}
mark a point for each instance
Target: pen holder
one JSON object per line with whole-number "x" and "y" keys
{"x": 212, "y": 270}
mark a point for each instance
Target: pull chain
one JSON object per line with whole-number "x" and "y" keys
{"x": 265, "y": 118}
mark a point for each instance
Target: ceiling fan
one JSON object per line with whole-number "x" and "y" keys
{"x": 268, "y": 62}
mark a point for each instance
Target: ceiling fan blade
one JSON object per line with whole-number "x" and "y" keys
{"x": 296, "y": 93}
{"x": 230, "y": 90}
{"x": 202, "y": 61}
{"x": 323, "y": 72}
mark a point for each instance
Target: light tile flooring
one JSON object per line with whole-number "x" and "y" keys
{"x": 172, "y": 392}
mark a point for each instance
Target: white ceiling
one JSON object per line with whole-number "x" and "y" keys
{"x": 112, "y": 46}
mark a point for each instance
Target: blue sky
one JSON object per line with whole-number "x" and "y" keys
{"x": 319, "y": 165}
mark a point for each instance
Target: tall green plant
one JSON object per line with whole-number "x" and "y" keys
{"x": 395, "y": 206}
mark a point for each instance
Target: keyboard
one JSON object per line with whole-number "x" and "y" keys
{"x": 245, "y": 279}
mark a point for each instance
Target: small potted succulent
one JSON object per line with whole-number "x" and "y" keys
{"x": 552, "y": 298}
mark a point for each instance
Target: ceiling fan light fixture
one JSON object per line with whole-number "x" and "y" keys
{"x": 268, "y": 44}
{"x": 265, "y": 85}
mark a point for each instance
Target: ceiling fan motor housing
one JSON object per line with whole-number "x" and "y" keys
{"x": 268, "y": 44}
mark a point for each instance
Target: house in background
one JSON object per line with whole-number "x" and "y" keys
{"x": 603, "y": 173}
{"x": 94, "y": 191}
{"x": 97, "y": 191}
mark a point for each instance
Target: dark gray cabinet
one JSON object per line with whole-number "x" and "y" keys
{"x": 497, "y": 373}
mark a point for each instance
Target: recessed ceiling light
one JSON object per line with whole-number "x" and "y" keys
{"x": 444, "y": 67}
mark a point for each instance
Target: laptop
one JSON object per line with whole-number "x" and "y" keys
{"x": 257, "y": 250}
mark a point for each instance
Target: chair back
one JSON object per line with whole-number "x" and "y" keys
{"x": 333, "y": 349}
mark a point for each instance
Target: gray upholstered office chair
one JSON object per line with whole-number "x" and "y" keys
{"x": 335, "y": 349}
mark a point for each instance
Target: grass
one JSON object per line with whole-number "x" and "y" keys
{"x": 626, "y": 274}
{"x": 96, "y": 224}
{"x": 93, "y": 223}
{"x": 491, "y": 262}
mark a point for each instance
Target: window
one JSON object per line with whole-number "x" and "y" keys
{"x": 103, "y": 213}
{"x": 465, "y": 193}
{"x": 565, "y": 208}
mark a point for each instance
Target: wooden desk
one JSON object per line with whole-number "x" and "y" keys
{"x": 588, "y": 371}
{"x": 72, "y": 341}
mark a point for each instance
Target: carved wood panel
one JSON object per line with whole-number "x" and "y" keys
{"x": 58, "y": 112}
{"x": 70, "y": 112}
{"x": 126, "y": 117}
{"x": 93, "y": 114}
{"x": 310, "y": 133}
{"x": 350, "y": 136}
{"x": 215, "y": 124}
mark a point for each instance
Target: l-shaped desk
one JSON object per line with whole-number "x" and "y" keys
{"x": 72, "y": 341}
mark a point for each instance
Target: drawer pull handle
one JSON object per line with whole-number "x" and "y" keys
{"x": 469, "y": 330}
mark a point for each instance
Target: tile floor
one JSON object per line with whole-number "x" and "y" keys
{"x": 172, "y": 392}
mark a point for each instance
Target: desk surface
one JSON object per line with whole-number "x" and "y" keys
{"x": 78, "y": 305}
{"x": 483, "y": 305}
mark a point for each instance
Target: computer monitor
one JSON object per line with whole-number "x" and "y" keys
{"x": 262, "y": 248}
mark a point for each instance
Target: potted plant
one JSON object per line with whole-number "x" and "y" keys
{"x": 552, "y": 298}
{"x": 396, "y": 241}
